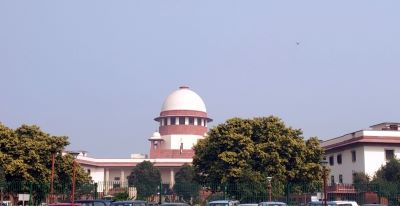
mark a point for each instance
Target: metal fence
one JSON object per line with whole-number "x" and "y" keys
{"x": 293, "y": 194}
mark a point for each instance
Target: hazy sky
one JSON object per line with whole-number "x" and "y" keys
{"x": 99, "y": 71}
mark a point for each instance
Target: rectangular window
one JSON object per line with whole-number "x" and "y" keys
{"x": 181, "y": 120}
{"x": 198, "y": 121}
{"x": 353, "y": 156}
{"x": 173, "y": 120}
{"x": 341, "y": 179}
{"x": 191, "y": 120}
{"x": 394, "y": 127}
{"x": 332, "y": 180}
{"x": 331, "y": 160}
{"x": 389, "y": 154}
{"x": 116, "y": 183}
{"x": 339, "y": 159}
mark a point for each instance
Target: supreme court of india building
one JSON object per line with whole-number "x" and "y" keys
{"x": 182, "y": 122}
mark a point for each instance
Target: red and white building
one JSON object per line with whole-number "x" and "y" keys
{"x": 361, "y": 151}
{"x": 182, "y": 122}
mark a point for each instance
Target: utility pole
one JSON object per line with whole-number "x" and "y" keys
{"x": 160, "y": 197}
{"x": 324, "y": 163}
{"x": 269, "y": 189}
{"x": 74, "y": 167}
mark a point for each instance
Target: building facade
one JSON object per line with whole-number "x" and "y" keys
{"x": 182, "y": 122}
{"x": 364, "y": 151}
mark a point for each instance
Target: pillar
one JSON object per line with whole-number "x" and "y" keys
{"x": 172, "y": 178}
{"x": 122, "y": 179}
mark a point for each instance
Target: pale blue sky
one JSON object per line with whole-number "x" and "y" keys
{"x": 99, "y": 71}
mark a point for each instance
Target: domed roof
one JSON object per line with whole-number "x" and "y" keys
{"x": 183, "y": 99}
{"x": 155, "y": 136}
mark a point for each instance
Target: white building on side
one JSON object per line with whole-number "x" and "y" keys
{"x": 362, "y": 151}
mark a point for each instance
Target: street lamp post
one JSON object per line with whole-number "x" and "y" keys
{"x": 2, "y": 184}
{"x": 160, "y": 194}
{"x": 1, "y": 194}
{"x": 75, "y": 155}
{"x": 53, "y": 154}
{"x": 269, "y": 189}
{"x": 324, "y": 163}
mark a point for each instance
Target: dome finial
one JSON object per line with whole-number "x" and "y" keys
{"x": 184, "y": 87}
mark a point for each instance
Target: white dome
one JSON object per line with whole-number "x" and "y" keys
{"x": 155, "y": 136}
{"x": 184, "y": 99}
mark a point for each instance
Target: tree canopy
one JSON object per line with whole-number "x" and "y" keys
{"x": 146, "y": 178}
{"x": 390, "y": 171}
{"x": 361, "y": 181}
{"x": 360, "y": 178}
{"x": 185, "y": 186}
{"x": 26, "y": 152}
{"x": 249, "y": 150}
{"x": 386, "y": 181}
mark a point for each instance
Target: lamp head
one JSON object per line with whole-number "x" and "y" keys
{"x": 323, "y": 163}
{"x": 269, "y": 179}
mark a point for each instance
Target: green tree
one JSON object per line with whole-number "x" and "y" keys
{"x": 146, "y": 178}
{"x": 361, "y": 181}
{"x": 25, "y": 154}
{"x": 185, "y": 186}
{"x": 390, "y": 171}
{"x": 252, "y": 149}
{"x": 387, "y": 180}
